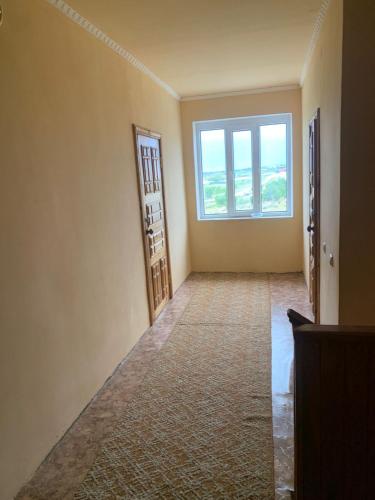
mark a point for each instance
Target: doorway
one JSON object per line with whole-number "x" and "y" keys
{"x": 314, "y": 214}
{"x": 153, "y": 219}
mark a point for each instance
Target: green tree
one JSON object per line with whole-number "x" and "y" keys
{"x": 274, "y": 189}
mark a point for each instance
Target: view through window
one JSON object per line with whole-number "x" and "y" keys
{"x": 243, "y": 167}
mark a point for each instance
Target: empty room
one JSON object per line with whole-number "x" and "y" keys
{"x": 187, "y": 249}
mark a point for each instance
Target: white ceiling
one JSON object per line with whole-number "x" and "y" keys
{"x": 211, "y": 46}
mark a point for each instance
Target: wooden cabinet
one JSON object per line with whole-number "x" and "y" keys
{"x": 334, "y": 411}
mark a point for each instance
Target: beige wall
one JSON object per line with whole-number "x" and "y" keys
{"x": 357, "y": 235}
{"x": 244, "y": 245}
{"x": 322, "y": 89}
{"x": 73, "y": 293}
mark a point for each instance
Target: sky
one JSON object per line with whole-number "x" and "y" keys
{"x": 272, "y": 148}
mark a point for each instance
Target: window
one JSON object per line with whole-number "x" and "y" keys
{"x": 243, "y": 167}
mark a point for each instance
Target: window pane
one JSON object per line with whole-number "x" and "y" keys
{"x": 214, "y": 171}
{"x": 243, "y": 173}
{"x": 273, "y": 167}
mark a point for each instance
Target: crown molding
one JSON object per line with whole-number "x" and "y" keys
{"x": 74, "y": 16}
{"x": 314, "y": 38}
{"x": 264, "y": 90}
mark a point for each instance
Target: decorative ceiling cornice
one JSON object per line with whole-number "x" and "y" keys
{"x": 314, "y": 38}
{"x": 72, "y": 14}
{"x": 264, "y": 90}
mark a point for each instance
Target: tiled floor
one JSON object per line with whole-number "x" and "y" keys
{"x": 287, "y": 291}
{"x": 67, "y": 464}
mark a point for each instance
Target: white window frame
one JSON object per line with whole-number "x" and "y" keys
{"x": 230, "y": 125}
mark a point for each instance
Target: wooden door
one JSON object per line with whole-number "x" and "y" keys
{"x": 153, "y": 219}
{"x": 314, "y": 213}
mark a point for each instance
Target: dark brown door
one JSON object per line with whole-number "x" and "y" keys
{"x": 153, "y": 218}
{"x": 314, "y": 213}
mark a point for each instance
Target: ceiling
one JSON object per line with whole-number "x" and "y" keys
{"x": 210, "y": 46}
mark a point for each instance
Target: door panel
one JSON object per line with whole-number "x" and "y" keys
{"x": 156, "y": 174}
{"x": 156, "y": 285}
{"x": 156, "y": 242}
{"x": 146, "y": 169}
{"x": 314, "y": 214}
{"x": 154, "y": 212}
{"x": 164, "y": 277}
{"x": 153, "y": 219}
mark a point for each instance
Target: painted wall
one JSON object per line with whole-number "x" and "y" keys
{"x": 73, "y": 292}
{"x": 357, "y": 235}
{"x": 322, "y": 89}
{"x": 244, "y": 245}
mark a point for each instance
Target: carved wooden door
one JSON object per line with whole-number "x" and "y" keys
{"x": 314, "y": 214}
{"x": 153, "y": 219}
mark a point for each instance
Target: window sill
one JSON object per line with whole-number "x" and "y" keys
{"x": 246, "y": 217}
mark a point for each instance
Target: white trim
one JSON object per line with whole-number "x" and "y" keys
{"x": 230, "y": 125}
{"x": 314, "y": 38}
{"x": 72, "y": 14}
{"x": 281, "y": 88}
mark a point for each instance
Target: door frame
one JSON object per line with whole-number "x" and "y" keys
{"x": 137, "y": 130}
{"x": 314, "y": 124}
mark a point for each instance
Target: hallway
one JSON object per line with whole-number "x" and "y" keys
{"x": 132, "y": 178}
{"x": 67, "y": 465}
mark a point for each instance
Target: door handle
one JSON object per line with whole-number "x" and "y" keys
{"x": 310, "y": 228}
{"x": 149, "y": 231}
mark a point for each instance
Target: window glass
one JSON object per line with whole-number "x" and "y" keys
{"x": 273, "y": 166}
{"x": 242, "y": 167}
{"x": 252, "y": 178}
{"x": 214, "y": 171}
